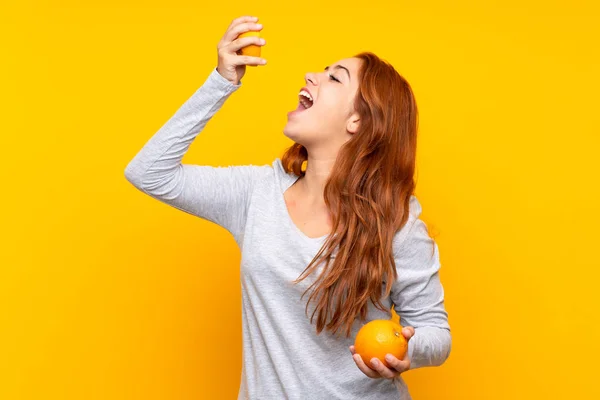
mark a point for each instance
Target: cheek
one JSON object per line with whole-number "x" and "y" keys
{"x": 332, "y": 107}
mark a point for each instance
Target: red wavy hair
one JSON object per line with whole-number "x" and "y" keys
{"x": 367, "y": 195}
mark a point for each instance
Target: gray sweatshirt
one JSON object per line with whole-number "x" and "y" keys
{"x": 283, "y": 357}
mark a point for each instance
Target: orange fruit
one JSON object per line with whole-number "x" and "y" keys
{"x": 251, "y": 50}
{"x": 379, "y": 337}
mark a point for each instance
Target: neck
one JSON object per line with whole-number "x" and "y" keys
{"x": 316, "y": 175}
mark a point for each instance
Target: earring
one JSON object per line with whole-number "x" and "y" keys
{"x": 303, "y": 166}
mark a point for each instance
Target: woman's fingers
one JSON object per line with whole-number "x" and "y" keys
{"x": 397, "y": 364}
{"x": 233, "y": 30}
{"x": 237, "y": 44}
{"x": 248, "y": 60}
{"x": 382, "y": 369}
{"x": 243, "y": 18}
{"x": 239, "y": 29}
{"x": 408, "y": 332}
{"x": 366, "y": 370}
{"x": 378, "y": 369}
{"x": 230, "y": 64}
{"x": 231, "y": 36}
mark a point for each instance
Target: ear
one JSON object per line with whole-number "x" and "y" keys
{"x": 353, "y": 124}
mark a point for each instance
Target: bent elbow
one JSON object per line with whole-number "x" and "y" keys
{"x": 447, "y": 348}
{"x": 132, "y": 176}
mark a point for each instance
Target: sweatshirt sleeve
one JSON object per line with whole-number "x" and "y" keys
{"x": 418, "y": 295}
{"x": 217, "y": 194}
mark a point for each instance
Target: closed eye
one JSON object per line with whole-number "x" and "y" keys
{"x": 334, "y": 78}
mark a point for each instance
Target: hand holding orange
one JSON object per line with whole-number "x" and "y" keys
{"x": 240, "y": 37}
{"x": 250, "y": 50}
{"x": 379, "y": 338}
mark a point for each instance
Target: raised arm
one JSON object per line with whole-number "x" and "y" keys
{"x": 218, "y": 194}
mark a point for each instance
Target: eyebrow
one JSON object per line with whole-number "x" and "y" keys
{"x": 340, "y": 67}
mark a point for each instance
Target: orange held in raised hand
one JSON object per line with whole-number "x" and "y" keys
{"x": 250, "y": 50}
{"x": 378, "y": 338}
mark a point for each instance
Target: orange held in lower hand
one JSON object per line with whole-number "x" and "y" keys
{"x": 251, "y": 50}
{"x": 378, "y": 338}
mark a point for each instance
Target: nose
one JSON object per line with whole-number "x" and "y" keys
{"x": 310, "y": 77}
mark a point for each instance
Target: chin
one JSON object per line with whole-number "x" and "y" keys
{"x": 291, "y": 133}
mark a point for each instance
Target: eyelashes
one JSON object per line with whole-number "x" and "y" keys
{"x": 333, "y": 78}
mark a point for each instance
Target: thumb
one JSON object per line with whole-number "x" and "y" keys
{"x": 408, "y": 332}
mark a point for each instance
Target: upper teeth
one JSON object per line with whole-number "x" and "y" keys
{"x": 306, "y": 94}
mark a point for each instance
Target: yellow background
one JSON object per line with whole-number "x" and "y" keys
{"x": 109, "y": 294}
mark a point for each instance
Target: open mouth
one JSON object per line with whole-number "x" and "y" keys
{"x": 305, "y": 100}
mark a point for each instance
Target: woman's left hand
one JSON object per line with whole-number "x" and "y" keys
{"x": 378, "y": 370}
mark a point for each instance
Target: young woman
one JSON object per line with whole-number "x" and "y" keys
{"x": 335, "y": 218}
